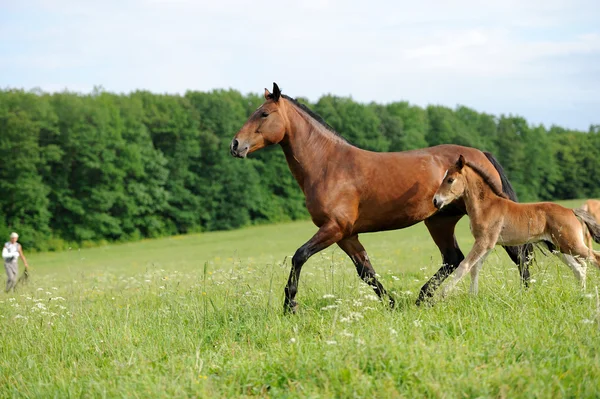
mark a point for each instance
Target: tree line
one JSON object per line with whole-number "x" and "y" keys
{"x": 78, "y": 170}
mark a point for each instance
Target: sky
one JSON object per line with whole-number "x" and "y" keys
{"x": 535, "y": 58}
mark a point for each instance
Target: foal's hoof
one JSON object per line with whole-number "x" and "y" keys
{"x": 290, "y": 307}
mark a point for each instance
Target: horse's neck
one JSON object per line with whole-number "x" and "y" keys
{"x": 479, "y": 198}
{"x": 308, "y": 148}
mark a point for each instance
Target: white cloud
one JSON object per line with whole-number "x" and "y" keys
{"x": 496, "y": 56}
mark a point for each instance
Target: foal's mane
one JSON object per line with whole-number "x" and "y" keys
{"x": 313, "y": 115}
{"x": 488, "y": 180}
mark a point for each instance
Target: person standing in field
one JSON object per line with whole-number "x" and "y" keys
{"x": 11, "y": 252}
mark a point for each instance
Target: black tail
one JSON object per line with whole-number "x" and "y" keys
{"x": 522, "y": 254}
{"x": 590, "y": 222}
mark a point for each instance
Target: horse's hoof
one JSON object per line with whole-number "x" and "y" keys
{"x": 392, "y": 303}
{"x": 290, "y": 308}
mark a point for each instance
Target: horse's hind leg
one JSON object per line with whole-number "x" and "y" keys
{"x": 441, "y": 228}
{"x": 521, "y": 256}
{"x": 357, "y": 253}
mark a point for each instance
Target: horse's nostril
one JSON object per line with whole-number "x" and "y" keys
{"x": 435, "y": 203}
{"x": 235, "y": 144}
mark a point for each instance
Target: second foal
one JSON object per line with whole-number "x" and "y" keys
{"x": 495, "y": 220}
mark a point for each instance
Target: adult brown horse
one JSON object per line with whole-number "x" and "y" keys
{"x": 351, "y": 191}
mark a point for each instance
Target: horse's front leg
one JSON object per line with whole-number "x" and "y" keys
{"x": 479, "y": 252}
{"x": 327, "y": 235}
{"x": 357, "y": 253}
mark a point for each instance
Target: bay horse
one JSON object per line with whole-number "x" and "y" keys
{"x": 351, "y": 191}
{"x": 494, "y": 219}
{"x": 592, "y": 207}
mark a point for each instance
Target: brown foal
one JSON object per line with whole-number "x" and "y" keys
{"x": 496, "y": 220}
{"x": 351, "y": 191}
{"x": 592, "y": 207}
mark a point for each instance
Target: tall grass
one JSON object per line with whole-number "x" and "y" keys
{"x": 201, "y": 316}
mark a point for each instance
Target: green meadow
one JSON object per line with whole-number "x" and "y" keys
{"x": 201, "y": 316}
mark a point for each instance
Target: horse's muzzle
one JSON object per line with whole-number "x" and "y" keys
{"x": 236, "y": 151}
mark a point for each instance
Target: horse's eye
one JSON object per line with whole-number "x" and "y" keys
{"x": 450, "y": 180}
{"x": 264, "y": 114}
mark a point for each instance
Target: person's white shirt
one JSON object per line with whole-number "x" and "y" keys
{"x": 10, "y": 250}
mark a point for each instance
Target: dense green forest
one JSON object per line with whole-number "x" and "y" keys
{"x": 84, "y": 169}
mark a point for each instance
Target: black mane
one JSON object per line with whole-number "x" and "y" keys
{"x": 313, "y": 115}
{"x": 488, "y": 180}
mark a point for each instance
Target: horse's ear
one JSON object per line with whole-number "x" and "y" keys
{"x": 276, "y": 92}
{"x": 461, "y": 162}
{"x": 268, "y": 94}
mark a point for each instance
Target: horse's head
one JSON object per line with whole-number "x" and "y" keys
{"x": 453, "y": 185}
{"x": 266, "y": 126}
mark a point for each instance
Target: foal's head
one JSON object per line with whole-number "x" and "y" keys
{"x": 453, "y": 185}
{"x": 266, "y": 126}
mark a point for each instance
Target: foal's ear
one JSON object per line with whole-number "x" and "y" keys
{"x": 461, "y": 162}
{"x": 267, "y": 94}
{"x": 276, "y": 92}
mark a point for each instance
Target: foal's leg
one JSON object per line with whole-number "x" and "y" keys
{"x": 578, "y": 266}
{"x": 441, "y": 228}
{"x": 478, "y": 253}
{"x": 475, "y": 274}
{"x": 328, "y": 234}
{"x": 354, "y": 249}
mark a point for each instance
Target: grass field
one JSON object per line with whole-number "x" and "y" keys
{"x": 201, "y": 316}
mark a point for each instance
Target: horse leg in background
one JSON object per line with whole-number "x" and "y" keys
{"x": 327, "y": 235}
{"x": 441, "y": 229}
{"x": 478, "y": 254}
{"x": 475, "y": 274}
{"x": 522, "y": 257}
{"x": 578, "y": 266}
{"x": 357, "y": 253}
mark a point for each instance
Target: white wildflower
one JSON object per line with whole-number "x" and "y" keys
{"x": 20, "y": 317}
{"x": 148, "y": 281}
{"x": 393, "y": 332}
{"x": 372, "y": 297}
{"x": 417, "y": 323}
{"x": 40, "y": 305}
{"x": 533, "y": 280}
{"x": 54, "y": 288}
{"x": 327, "y": 296}
{"x": 352, "y": 316}
{"x": 395, "y": 278}
{"x": 48, "y": 293}
{"x": 329, "y": 307}
{"x": 11, "y": 299}
{"x": 162, "y": 287}
{"x": 331, "y": 342}
{"x": 40, "y": 289}
{"x": 57, "y": 298}
{"x": 587, "y": 321}
{"x": 346, "y": 334}
{"x": 292, "y": 340}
